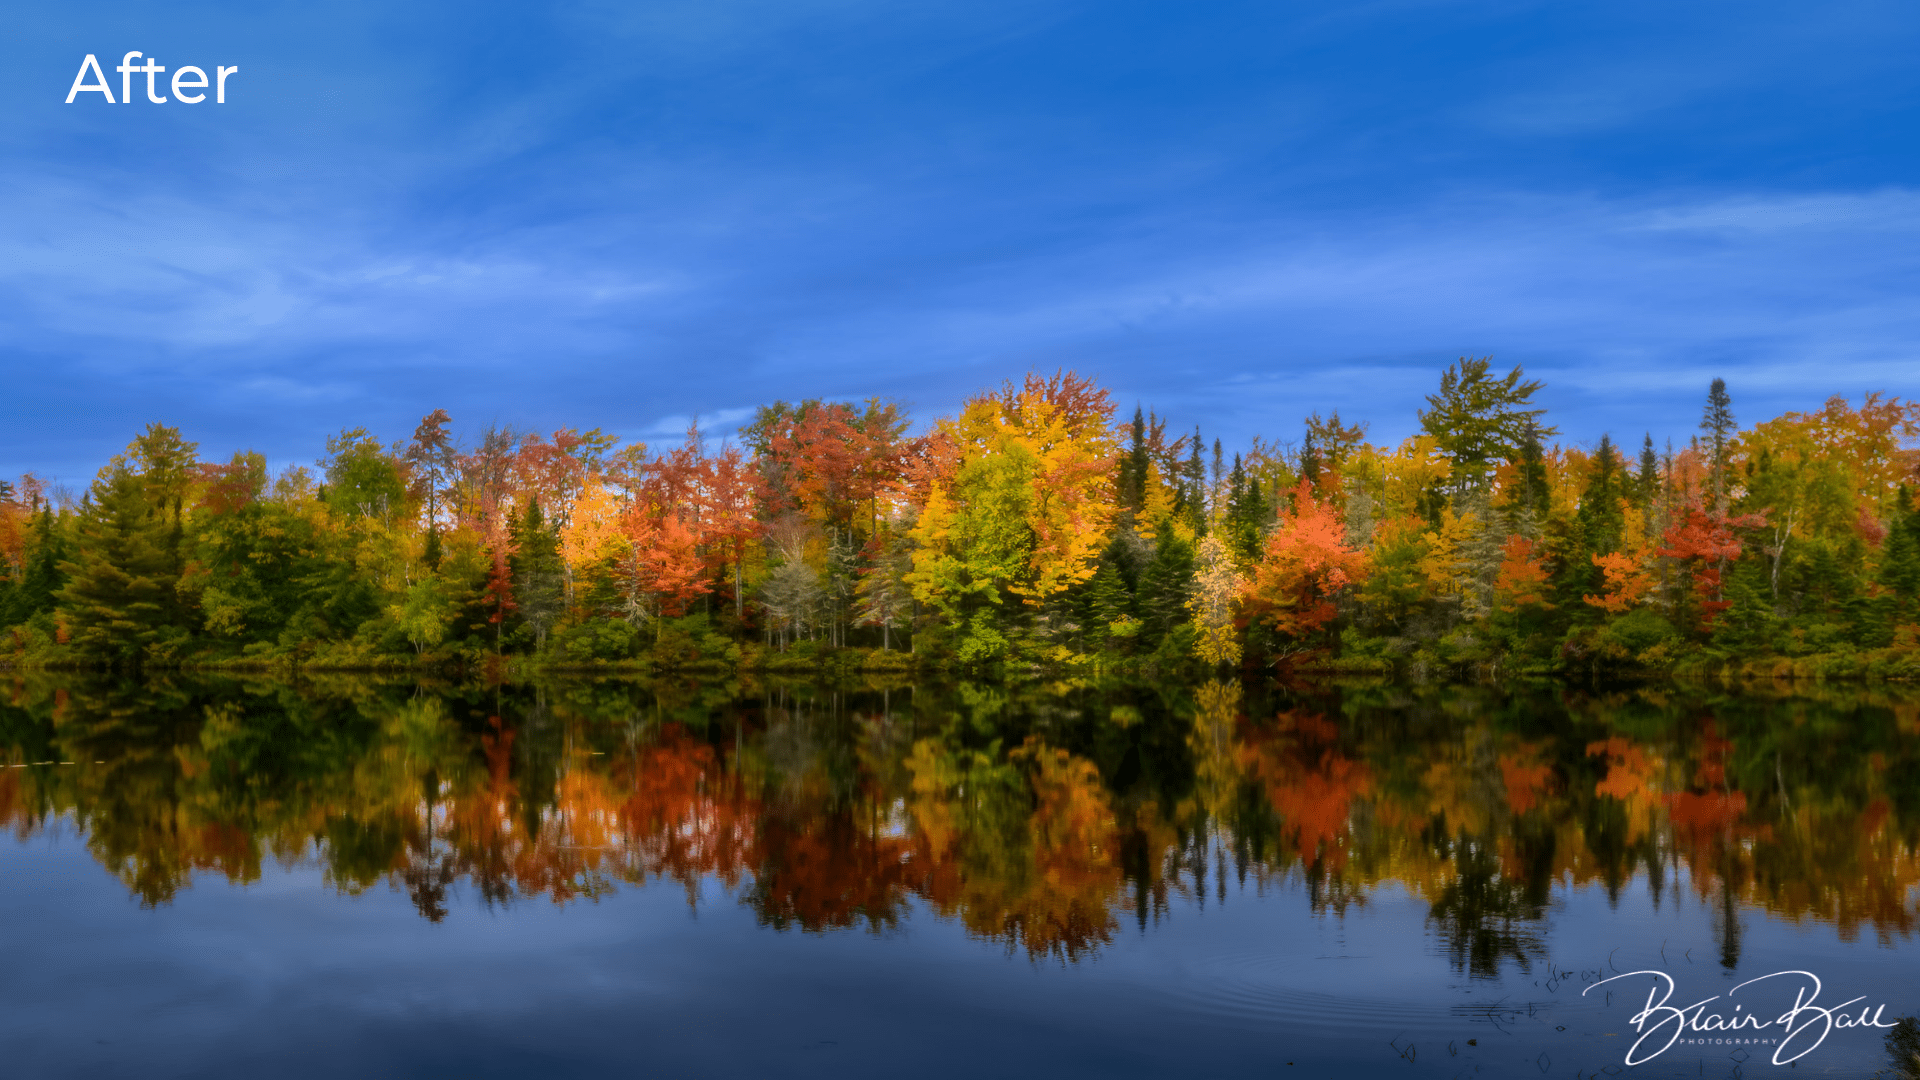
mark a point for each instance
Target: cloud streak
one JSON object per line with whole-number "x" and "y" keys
{"x": 625, "y": 217}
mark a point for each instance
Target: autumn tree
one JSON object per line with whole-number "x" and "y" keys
{"x": 1026, "y": 510}
{"x": 1216, "y": 589}
{"x": 1306, "y": 566}
{"x": 431, "y": 458}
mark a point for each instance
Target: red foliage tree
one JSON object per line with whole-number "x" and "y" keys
{"x": 1306, "y": 564}
{"x": 1704, "y": 542}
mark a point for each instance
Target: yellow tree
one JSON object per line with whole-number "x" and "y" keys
{"x": 1021, "y": 506}
{"x": 1215, "y": 589}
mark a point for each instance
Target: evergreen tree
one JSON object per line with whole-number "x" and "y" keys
{"x": 167, "y": 466}
{"x": 119, "y": 598}
{"x": 1165, "y": 587}
{"x": 1247, "y": 514}
{"x": 1132, "y": 484}
{"x": 1717, "y": 422}
{"x": 1599, "y": 517}
{"x": 1596, "y": 530}
{"x": 538, "y": 583}
{"x": 41, "y": 579}
{"x": 1192, "y": 506}
{"x": 1105, "y": 601}
{"x": 1534, "y": 497}
{"x": 1217, "y": 484}
{"x": 1747, "y": 625}
{"x": 1478, "y": 419}
{"x": 435, "y": 550}
{"x": 1899, "y": 575}
{"x": 1647, "y": 484}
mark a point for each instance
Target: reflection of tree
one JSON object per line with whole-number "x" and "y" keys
{"x": 1025, "y": 851}
{"x": 1488, "y": 913}
{"x": 1311, "y": 783}
{"x": 823, "y": 808}
{"x": 428, "y": 875}
{"x": 829, "y": 871}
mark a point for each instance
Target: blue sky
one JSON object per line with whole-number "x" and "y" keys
{"x": 623, "y": 214}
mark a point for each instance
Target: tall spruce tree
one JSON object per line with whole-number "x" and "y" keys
{"x": 1899, "y": 575}
{"x": 1597, "y": 529}
{"x": 1165, "y": 586}
{"x": 1717, "y": 421}
{"x": 1193, "y": 488}
{"x": 1646, "y": 485}
{"x": 538, "y": 583}
{"x": 120, "y": 597}
{"x": 1134, "y": 469}
{"x": 1532, "y": 497}
{"x": 35, "y": 593}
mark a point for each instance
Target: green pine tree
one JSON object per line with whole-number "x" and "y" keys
{"x": 1106, "y": 600}
{"x": 1596, "y": 529}
{"x": 1132, "y": 494}
{"x": 538, "y": 581}
{"x": 1717, "y": 421}
{"x": 119, "y": 598}
{"x": 1478, "y": 419}
{"x": 41, "y": 580}
{"x": 1646, "y": 486}
{"x": 1192, "y": 504}
{"x": 1535, "y": 496}
{"x": 1165, "y": 586}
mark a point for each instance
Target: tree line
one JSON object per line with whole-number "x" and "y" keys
{"x": 1033, "y": 527}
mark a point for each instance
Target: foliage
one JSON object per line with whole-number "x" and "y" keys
{"x": 1304, "y": 569}
{"x": 1027, "y": 529}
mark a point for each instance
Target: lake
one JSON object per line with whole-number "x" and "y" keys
{"x": 348, "y": 876}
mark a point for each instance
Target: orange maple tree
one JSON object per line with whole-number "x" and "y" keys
{"x": 1627, "y": 581}
{"x": 1305, "y": 566}
{"x": 1523, "y": 579}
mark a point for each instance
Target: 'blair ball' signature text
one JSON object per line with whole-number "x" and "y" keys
{"x": 1802, "y": 1026}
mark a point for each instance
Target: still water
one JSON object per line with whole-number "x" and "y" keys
{"x": 354, "y": 877}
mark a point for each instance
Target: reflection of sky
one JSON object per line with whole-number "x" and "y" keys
{"x": 622, "y": 215}
{"x": 286, "y": 978}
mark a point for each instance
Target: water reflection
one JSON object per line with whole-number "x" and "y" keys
{"x": 1040, "y": 817}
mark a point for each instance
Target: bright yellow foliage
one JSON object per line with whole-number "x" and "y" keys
{"x": 1058, "y": 431}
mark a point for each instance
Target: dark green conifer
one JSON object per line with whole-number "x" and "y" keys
{"x": 1165, "y": 585}
{"x": 1192, "y": 506}
{"x": 1107, "y": 599}
{"x": 1717, "y": 422}
{"x": 538, "y": 575}
{"x": 1596, "y": 530}
{"x": 119, "y": 595}
{"x": 1134, "y": 468}
{"x": 1535, "y": 496}
{"x": 1647, "y": 483}
{"x": 41, "y": 581}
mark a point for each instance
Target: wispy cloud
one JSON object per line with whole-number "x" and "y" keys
{"x": 1238, "y": 215}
